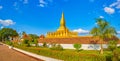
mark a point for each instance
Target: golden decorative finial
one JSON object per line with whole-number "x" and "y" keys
{"x": 62, "y": 21}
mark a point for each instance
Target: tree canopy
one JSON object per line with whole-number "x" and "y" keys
{"x": 7, "y": 34}
{"x": 103, "y": 30}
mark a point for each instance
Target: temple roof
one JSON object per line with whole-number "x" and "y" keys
{"x": 82, "y": 40}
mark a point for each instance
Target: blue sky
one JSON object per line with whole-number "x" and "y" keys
{"x": 41, "y": 16}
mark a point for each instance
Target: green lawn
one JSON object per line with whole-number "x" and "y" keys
{"x": 69, "y": 54}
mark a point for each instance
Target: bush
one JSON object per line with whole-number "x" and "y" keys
{"x": 108, "y": 57}
{"x": 65, "y": 55}
{"x": 77, "y": 46}
{"x": 56, "y": 47}
{"x": 45, "y": 44}
{"x": 59, "y": 47}
{"x": 112, "y": 45}
{"x": 106, "y": 49}
{"x": 118, "y": 46}
{"x": 9, "y": 43}
{"x": 36, "y": 42}
{"x": 116, "y": 55}
{"x": 26, "y": 43}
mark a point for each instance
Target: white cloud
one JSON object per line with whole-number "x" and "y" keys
{"x": 1, "y": 7}
{"x": 118, "y": 7}
{"x": 109, "y": 10}
{"x": 101, "y": 17}
{"x": 115, "y": 4}
{"x": 118, "y": 32}
{"x": 42, "y": 3}
{"x": 25, "y": 1}
{"x": 112, "y": 7}
{"x": 2, "y": 27}
{"x": 7, "y": 22}
{"x": 16, "y": 6}
{"x": 81, "y": 31}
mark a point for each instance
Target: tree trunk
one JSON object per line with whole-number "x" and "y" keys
{"x": 101, "y": 46}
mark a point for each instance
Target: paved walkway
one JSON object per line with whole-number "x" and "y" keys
{"x": 7, "y": 54}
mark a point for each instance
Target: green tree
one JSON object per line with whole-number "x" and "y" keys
{"x": 112, "y": 45}
{"x": 116, "y": 55}
{"x": 34, "y": 39}
{"x": 26, "y": 43}
{"x": 7, "y": 34}
{"x": 103, "y": 30}
{"x": 33, "y": 36}
{"x": 36, "y": 42}
{"x": 77, "y": 46}
{"x": 23, "y": 32}
{"x": 45, "y": 44}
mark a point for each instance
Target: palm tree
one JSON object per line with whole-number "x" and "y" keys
{"x": 103, "y": 30}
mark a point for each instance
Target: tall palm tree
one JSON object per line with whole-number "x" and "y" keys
{"x": 103, "y": 30}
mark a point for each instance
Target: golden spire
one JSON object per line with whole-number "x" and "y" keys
{"x": 62, "y": 24}
{"x": 62, "y": 21}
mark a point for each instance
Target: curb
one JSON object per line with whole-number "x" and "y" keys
{"x": 36, "y": 56}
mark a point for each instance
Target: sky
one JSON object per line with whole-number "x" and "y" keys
{"x": 42, "y": 16}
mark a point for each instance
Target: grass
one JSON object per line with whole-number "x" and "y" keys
{"x": 69, "y": 54}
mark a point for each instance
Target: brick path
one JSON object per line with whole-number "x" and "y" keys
{"x": 7, "y": 54}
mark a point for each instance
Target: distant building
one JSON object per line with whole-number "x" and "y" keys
{"x": 42, "y": 37}
{"x": 62, "y": 31}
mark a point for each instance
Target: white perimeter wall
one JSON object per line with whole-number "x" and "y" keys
{"x": 84, "y": 46}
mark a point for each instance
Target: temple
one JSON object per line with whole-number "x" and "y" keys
{"x": 62, "y": 31}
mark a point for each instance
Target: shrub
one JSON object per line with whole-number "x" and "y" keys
{"x": 108, "y": 57}
{"x": 59, "y": 47}
{"x": 9, "y": 43}
{"x": 77, "y": 46}
{"x": 116, "y": 55}
{"x": 112, "y": 45}
{"x": 45, "y": 44}
{"x": 36, "y": 42}
{"x": 66, "y": 55}
{"x": 56, "y": 47}
{"x": 53, "y": 46}
{"x": 118, "y": 46}
{"x": 26, "y": 43}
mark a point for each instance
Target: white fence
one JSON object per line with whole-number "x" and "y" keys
{"x": 84, "y": 46}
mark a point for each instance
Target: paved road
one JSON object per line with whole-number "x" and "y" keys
{"x": 7, "y": 54}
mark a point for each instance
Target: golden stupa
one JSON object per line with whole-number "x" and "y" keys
{"x": 62, "y": 31}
